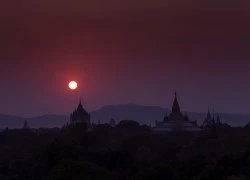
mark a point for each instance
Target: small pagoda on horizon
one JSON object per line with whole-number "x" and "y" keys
{"x": 25, "y": 125}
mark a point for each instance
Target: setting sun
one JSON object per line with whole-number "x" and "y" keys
{"x": 72, "y": 85}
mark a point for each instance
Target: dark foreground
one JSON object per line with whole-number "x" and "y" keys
{"x": 125, "y": 152}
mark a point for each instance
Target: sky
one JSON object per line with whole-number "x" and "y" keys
{"x": 124, "y": 52}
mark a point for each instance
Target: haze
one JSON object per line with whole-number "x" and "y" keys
{"x": 122, "y": 52}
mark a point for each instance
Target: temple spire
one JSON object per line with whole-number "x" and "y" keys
{"x": 80, "y": 103}
{"x": 208, "y": 114}
{"x": 213, "y": 119}
{"x": 80, "y": 115}
{"x": 175, "y": 107}
{"x": 25, "y": 125}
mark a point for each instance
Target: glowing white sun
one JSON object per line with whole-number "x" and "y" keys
{"x": 72, "y": 85}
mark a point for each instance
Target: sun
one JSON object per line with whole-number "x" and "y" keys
{"x": 72, "y": 85}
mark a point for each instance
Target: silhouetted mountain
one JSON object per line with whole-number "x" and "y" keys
{"x": 140, "y": 113}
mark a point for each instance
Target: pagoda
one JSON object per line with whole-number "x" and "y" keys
{"x": 80, "y": 115}
{"x": 176, "y": 121}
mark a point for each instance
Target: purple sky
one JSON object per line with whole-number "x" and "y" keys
{"x": 124, "y": 51}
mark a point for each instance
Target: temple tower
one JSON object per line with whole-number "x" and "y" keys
{"x": 80, "y": 115}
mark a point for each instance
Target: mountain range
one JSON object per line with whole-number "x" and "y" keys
{"x": 142, "y": 114}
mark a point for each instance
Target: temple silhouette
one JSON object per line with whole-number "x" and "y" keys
{"x": 176, "y": 121}
{"x": 80, "y": 116}
{"x": 25, "y": 125}
{"x": 210, "y": 121}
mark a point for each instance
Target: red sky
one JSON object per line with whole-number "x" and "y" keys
{"x": 121, "y": 52}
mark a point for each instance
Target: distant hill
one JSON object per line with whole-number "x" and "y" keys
{"x": 140, "y": 113}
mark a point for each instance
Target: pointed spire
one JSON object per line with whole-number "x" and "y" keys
{"x": 213, "y": 119}
{"x": 208, "y": 114}
{"x": 79, "y": 115}
{"x": 25, "y": 125}
{"x": 80, "y": 104}
{"x": 80, "y": 101}
{"x": 175, "y": 107}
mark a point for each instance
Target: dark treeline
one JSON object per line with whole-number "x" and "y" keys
{"x": 128, "y": 151}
